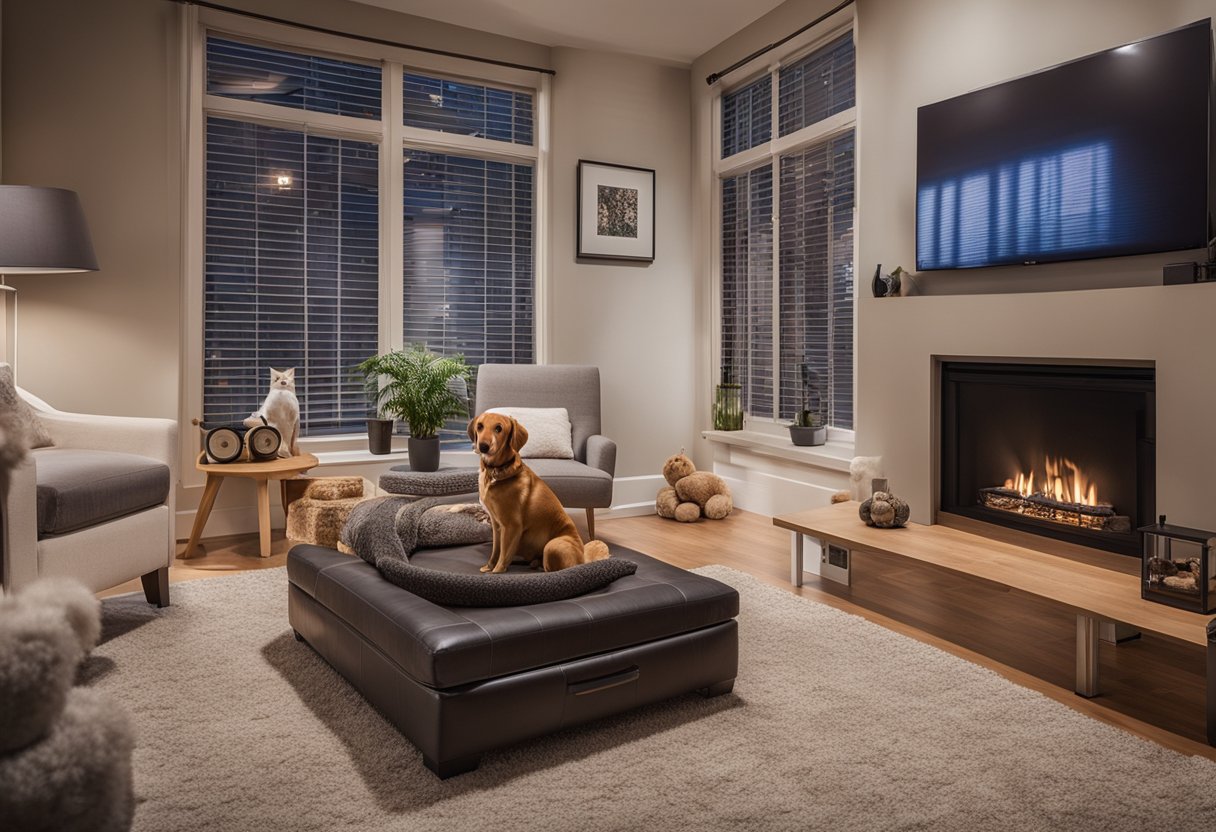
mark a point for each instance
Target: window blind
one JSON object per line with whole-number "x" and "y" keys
{"x": 468, "y": 257}
{"x": 236, "y": 69}
{"x": 817, "y": 86}
{"x": 747, "y": 116}
{"x": 816, "y": 278}
{"x": 747, "y": 286}
{"x": 449, "y": 106}
{"x": 290, "y": 271}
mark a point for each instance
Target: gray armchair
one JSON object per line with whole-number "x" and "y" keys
{"x": 585, "y": 481}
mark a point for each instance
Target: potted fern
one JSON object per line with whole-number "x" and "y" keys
{"x": 420, "y": 388}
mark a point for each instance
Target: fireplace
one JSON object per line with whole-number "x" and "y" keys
{"x": 1060, "y": 450}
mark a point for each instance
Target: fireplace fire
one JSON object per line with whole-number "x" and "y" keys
{"x": 1065, "y": 451}
{"x": 1059, "y": 493}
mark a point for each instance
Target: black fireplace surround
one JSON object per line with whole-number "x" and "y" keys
{"x": 999, "y": 420}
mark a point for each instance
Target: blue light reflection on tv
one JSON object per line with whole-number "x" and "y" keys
{"x": 1019, "y": 210}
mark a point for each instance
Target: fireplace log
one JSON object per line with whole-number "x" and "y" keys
{"x": 1102, "y": 517}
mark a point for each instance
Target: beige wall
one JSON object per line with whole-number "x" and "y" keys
{"x": 916, "y": 53}
{"x": 90, "y": 102}
{"x": 635, "y": 320}
{"x": 86, "y": 96}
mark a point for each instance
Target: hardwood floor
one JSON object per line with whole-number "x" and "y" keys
{"x": 1152, "y": 687}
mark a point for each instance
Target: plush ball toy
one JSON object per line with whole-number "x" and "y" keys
{"x": 691, "y": 494}
{"x": 65, "y": 752}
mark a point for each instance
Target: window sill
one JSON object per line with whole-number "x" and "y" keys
{"x": 834, "y": 456}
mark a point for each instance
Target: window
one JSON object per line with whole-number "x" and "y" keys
{"x": 467, "y": 109}
{"x": 291, "y": 270}
{"x": 786, "y": 184}
{"x": 296, "y": 211}
{"x": 468, "y": 257}
{"x": 816, "y": 277}
{"x": 747, "y": 117}
{"x": 308, "y": 82}
{"x": 817, "y": 86}
{"x": 747, "y": 286}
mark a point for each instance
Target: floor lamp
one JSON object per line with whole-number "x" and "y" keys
{"x": 42, "y": 231}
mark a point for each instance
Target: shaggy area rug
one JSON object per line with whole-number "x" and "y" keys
{"x": 835, "y": 723}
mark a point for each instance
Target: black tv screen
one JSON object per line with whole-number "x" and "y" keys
{"x": 1103, "y": 156}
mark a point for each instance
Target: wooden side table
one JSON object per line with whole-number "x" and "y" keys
{"x": 261, "y": 473}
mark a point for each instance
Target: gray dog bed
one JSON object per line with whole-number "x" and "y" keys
{"x": 442, "y": 483}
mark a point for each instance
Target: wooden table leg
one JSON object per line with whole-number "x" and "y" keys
{"x": 264, "y": 516}
{"x": 1087, "y": 656}
{"x": 200, "y": 517}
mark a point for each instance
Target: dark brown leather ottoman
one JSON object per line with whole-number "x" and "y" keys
{"x": 459, "y": 681}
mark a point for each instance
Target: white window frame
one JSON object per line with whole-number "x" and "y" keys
{"x": 769, "y": 153}
{"x": 389, "y": 133}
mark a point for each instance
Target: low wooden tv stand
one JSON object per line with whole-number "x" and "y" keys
{"x": 1094, "y": 593}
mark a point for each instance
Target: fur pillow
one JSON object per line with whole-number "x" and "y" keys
{"x": 549, "y": 431}
{"x": 451, "y": 589}
{"x": 36, "y": 435}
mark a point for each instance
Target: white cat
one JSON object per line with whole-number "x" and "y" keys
{"x": 282, "y": 410}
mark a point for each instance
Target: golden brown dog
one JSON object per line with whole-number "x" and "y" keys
{"x": 529, "y": 522}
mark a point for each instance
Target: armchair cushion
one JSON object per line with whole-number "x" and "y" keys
{"x": 548, "y": 431}
{"x": 79, "y": 488}
{"x": 575, "y": 484}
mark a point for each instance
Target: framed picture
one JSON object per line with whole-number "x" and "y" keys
{"x": 615, "y": 211}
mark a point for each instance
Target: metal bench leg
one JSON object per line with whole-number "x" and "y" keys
{"x": 1211, "y": 686}
{"x": 796, "y": 552}
{"x": 1087, "y": 655}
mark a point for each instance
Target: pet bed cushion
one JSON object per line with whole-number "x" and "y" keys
{"x": 548, "y": 429}
{"x": 387, "y": 531}
{"x": 481, "y": 590}
{"x": 442, "y": 483}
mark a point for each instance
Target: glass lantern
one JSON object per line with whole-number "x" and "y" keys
{"x": 1178, "y": 568}
{"x": 728, "y": 407}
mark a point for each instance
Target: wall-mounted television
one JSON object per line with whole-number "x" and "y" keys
{"x": 1103, "y": 156}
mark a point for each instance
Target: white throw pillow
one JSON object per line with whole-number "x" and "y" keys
{"x": 548, "y": 431}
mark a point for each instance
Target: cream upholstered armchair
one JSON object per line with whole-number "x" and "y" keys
{"x": 585, "y": 481}
{"x": 97, "y": 505}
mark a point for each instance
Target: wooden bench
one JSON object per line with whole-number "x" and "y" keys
{"x": 1095, "y": 593}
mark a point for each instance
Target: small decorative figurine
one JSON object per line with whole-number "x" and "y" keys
{"x": 883, "y": 509}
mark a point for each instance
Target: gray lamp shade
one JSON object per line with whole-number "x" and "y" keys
{"x": 42, "y": 230}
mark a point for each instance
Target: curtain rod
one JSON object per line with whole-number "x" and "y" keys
{"x": 367, "y": 38}
{"x": 715, "y": 77}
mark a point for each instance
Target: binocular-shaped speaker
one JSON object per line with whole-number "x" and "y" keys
{"x": 229, "y": 443}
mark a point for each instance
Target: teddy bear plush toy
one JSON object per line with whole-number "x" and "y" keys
{"x": 65, "y": 752}
{"x": 691, "y": 493}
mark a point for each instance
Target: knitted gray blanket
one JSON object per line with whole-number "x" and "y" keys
{"x": 395, "y": 527}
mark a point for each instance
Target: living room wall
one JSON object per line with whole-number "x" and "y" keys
{"x": 911, "y": 54}
{"x": 91, "y": 102}
{"x": 635, "y": 320}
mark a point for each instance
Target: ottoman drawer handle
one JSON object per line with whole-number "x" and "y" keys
{"x": 615, "y": 680}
